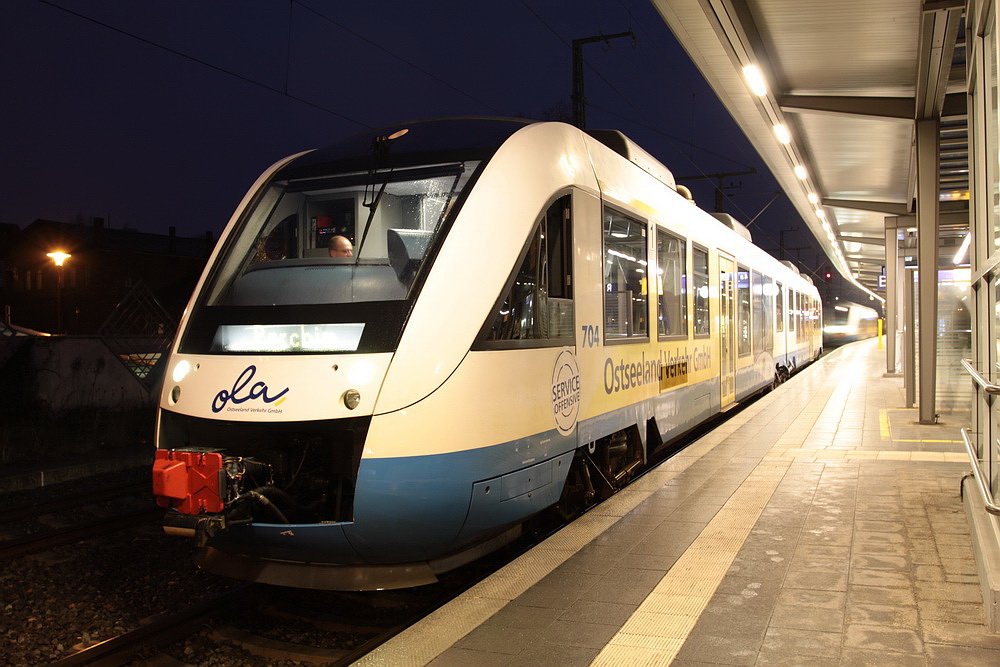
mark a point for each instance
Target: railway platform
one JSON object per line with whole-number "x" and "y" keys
{"x": 819, "y": 525}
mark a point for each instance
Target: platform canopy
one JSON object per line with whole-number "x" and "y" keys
{"x": 848, "y": 79}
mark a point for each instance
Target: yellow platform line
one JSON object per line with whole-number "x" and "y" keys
{"x": 885, "y": 428}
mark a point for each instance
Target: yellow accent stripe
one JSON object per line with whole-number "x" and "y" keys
{"x": 938, "y": 441}
{"x": 883, "y": 424}
{"x": 819, "y": 454}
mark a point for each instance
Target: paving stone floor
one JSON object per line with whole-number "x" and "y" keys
{"x": 820, "y": 526}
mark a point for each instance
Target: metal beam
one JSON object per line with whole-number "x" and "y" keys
{"x": 896, "y": 108}
{"x": 927, "y": 262}
{"x": 887, "y": 207}
{"x": 939, "y": 25}
{"x": 864, "y": 240}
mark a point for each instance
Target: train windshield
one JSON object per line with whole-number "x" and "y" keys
{"x": 839, "y": 317}
{"x": 346, "y": 238}
{"x": 327, "y": 263}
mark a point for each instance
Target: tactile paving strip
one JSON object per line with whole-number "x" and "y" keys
{"x": 664, "y": 619}
{"x": 423, "y": 642}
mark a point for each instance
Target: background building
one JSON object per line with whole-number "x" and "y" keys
{"x": 105, "y": 264}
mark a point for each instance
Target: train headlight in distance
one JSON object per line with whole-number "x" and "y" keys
{"x": 181, "y": 370}
{"x": 351, "y": 398}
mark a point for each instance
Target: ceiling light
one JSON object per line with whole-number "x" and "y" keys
{"x": 821, "y": 214}
{"x": 782, "y": 133}
{"x": 813, "y": 198}
{"x": 755, "y": 79}
{"x": 801, "y": 172}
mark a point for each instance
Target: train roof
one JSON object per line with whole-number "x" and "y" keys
{"x": 635, "y": 154}
{"x": 733, "y": 224}
{"x": 425, "y": 142}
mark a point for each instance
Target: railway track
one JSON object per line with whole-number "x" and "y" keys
{"x": 156, "y": 631}
{"x": 54, "y": 538}
{"x": 72, "y": 501}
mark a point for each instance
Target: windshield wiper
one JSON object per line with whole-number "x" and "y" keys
{"x": 372, "y": 206}
{"x": 380, "y": 152}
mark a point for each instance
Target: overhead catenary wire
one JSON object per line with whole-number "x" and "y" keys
{"x": 402, "y": 59}
{"x": 625, "y": 98}
{"x": 204, "y": 63}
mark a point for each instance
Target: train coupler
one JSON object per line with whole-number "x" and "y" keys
{"x": 200, "y": 527}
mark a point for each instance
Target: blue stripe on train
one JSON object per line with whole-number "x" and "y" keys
{"x": 419, "y": 508}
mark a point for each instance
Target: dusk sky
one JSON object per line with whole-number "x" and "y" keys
{"x": 152, "y": 114}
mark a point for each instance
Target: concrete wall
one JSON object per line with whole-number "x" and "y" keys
{"x": 66, "y": 373}
{"x": 68, "y": 398}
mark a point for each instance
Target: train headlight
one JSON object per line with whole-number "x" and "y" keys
{"x": 351, "y": 398}
{"x": 181, "y": 370}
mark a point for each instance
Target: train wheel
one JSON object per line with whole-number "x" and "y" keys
{"x": 578, "y": 493}
{"x": 600, "y": 469}
{"x": 614, "y": 459}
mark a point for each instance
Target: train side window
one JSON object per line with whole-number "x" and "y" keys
{"x": 626, "y": 295}
{"x": 793, "y": 311}
{"x": 702, "y": 319}
{"x": 671, "y": 284}
{"x": 809, "y": 317}
{"x": 779, "y": 294}
{"x": 757, "y": 305}
{"x": 538, "y": 303}
{"x": 743, "y": 307}
{"x": 767, "y": 329}
{"x": 803, "y": 316}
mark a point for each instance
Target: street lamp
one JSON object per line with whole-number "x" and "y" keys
{"x": 59, "y": 257}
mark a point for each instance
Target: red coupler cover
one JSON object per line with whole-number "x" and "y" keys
{"x": 187, "y": 481}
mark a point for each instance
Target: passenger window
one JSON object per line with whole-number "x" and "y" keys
{"x": 743, "y": 309}
{"x": 702, "y": 321}
{"x": 768, "y": 327}
{"x": 625, "y": 280}
{"x": 538, "y": 304}
{"x": 793, "y": 310}
{"x": 757, "y": 301}
{"x": 671, "y": 284}
{"x": 780, "y": 317}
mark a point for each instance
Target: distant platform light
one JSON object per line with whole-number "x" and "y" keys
{"x": 755, "y": 80}
{"x": 800, "y": 172}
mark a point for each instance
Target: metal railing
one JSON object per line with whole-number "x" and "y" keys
{"x": 984, "y": 489}
{"x": 984, "y": 384}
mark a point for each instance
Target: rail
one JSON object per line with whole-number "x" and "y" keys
{"x": 984, "y": 384}
{"x": 984, "y": 489}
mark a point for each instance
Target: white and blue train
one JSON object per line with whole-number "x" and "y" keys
{"x": 847, "y": 322}
{"x": 531, "y": 313}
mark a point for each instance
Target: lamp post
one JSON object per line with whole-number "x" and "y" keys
{"x": 59, "y": 258}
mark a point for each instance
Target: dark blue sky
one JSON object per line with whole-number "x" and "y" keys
{"x": 98, "y": 120}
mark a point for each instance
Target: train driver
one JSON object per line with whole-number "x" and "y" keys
{"x": 340, "y": 246}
